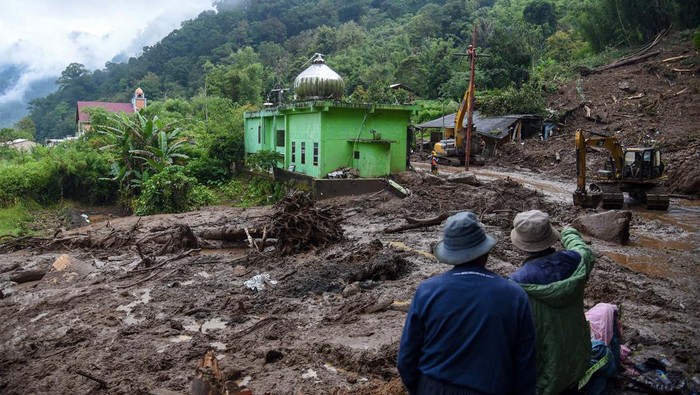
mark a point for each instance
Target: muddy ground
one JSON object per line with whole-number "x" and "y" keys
{"x": 330, "y": 318}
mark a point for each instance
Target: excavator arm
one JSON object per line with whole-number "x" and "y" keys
{"x": 582, "y": 196}
{"x": 459, "y": 117}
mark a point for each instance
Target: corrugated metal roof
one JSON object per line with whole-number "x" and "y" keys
{"x": 111, "y": 107}
{"x": 493, "y": 127}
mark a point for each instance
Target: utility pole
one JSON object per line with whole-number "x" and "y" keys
{"x": 471, "y": 53}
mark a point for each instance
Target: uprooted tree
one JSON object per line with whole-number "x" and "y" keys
{"x": 297, "y": 224}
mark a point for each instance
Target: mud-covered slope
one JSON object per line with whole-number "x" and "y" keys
{"x": 655, "y": 100}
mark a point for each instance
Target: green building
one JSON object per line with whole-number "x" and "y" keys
{"x": 320, "y": 136}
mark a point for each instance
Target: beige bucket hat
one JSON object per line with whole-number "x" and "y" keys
{"x": 532, "y": 231}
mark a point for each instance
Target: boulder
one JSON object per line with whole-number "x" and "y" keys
{"x": 431, "y": 179}
{"x": 464, "y": 178}
{"x": 612, "y": 226}
{"x": 66, "y": 270}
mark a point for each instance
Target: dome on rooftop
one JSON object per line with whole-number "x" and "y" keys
{"x": 319, "y": 81}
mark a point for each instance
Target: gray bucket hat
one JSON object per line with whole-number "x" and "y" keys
{"x": 464, "y": 240}
{"x": 532, "y": 231}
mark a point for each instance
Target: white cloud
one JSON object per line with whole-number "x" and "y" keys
{"x": 44, "y": 36}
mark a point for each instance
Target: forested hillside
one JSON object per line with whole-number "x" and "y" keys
{"x": 245, "y": 48}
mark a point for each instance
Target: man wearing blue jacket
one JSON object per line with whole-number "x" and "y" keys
{"x": 468, "y": 331}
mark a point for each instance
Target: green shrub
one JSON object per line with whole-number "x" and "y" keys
{"x": 171, "y": 191}
{"x": 264, "y": 160}
{"x": 13, "y": 220}
{"x": 526, "y": 100}
{"x": 80, "y": 172}
{"x": 247, "y": 191}
{"x": 207, "y": 169}
{"x": 33, "y": 180}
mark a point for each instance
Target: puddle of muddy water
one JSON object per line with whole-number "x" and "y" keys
{"x": 658, "y": 244}
{"x": 684, "y": 214}
{"x": 651, "y": 265}
{"x": 130, "y": 319}
{"x": 218, "y": 346}
{"x": 215, "y": 323}
{"x": 180, "y": 338}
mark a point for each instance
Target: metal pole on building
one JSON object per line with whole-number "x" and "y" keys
{"x": 471, "y": 53}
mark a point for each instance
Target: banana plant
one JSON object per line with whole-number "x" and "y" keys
{"x": 141, "y": 146}
{"x": 165, "y": 152}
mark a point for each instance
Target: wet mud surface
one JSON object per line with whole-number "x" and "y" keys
{"x": 330, "y": 319}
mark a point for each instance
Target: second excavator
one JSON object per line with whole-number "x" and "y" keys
{"x": 637, "y": 171}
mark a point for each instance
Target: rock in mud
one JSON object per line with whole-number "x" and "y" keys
{"x": 430, "y": 179}
{"x": 67, "y": 270}
{"x": 26, "y": 276}
{"x": 687, "y": 180}
{"x": 613, "y": 226}
{"x": 464, "y": 178}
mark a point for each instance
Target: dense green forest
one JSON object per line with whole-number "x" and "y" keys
{"x": 245, "y": 48}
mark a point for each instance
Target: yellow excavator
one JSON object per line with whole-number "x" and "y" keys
{"x": 637, "y": 171}
{"x": 452, "y": 150}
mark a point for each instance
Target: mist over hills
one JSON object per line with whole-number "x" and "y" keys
{"x": 244, "y": 48}
{"x": 39, "y": 39}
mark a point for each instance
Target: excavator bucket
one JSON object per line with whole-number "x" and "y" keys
{"x": 590, "y": 199}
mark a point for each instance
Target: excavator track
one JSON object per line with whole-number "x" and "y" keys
{"x": 656, "y": 198}
{"x": 613, "y": 198}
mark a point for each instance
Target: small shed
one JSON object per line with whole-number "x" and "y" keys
{"x": 20, "y": 144}
{"x": 494, "y": 131}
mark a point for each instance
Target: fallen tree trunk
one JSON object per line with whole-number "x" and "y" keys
{"x": 229, "y": 233}
{"x": 27, "y": 276}
{"x": 620, "y": 63}
{"x": 417, "y": 223}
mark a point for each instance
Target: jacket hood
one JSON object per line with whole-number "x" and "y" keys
{"x": 561, "y": 293}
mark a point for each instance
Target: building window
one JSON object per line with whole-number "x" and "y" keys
{"x": 356, "y": 154}
{"x": 294, "y": 152}
{"x": 315, "y": 154}
{"x": 280, "y": 138}
{"x": 259, "y": 134}
{"x": 303, "y": 153}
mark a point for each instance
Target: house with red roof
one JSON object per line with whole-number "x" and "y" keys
{"x": 82, "y": 118}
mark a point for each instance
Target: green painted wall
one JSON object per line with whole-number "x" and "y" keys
{"x": 371, "y": 160}
{"x": 341, "y": 132}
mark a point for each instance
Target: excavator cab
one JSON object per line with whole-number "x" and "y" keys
{"x": 642, "y": 164}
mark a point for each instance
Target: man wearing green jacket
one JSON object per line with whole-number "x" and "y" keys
{"x": 555, "y": 282}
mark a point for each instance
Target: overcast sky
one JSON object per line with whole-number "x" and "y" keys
{"x": 42, "y": 37}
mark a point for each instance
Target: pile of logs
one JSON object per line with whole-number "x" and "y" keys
{"x": 299, "y": 225}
